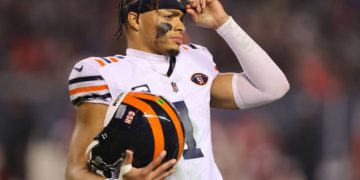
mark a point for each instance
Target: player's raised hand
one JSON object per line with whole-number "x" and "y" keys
{"x": 153, "y": 171}
{"x": 207, "y": 13}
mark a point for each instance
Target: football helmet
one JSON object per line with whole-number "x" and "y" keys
{"x": 142, "y": 122}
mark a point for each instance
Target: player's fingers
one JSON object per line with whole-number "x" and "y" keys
{"x": 128, "y": 157}
{"x": 161, "y": 170}
{"x": 127, "y": 170}
{"x": 203, "y": 4}
{"x": 193, "y": 14}
{"x": 156, "y": 162}
{"x": 166, "y": 174}
{"x": 198, "y": 6}
{"x": 191, "y": 2}
{"x": 189, "y": 7}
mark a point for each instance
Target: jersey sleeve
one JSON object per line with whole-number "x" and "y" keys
{"x": 87, "y": 85}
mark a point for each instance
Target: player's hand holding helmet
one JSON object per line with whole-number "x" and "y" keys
{"x": 144, "y": 123}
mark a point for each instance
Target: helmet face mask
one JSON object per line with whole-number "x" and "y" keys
{"x": 142, "y": 122}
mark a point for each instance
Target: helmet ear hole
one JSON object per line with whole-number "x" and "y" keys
{"x": 142, "y": 122}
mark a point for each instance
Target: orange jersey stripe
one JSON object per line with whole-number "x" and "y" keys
{"x": 153, "y": 121}
{"x": 113, "y": 59}
{"x": 88, "y": 89}
{"x": 216, "y": 68}
{"x": 173, "y": 116}
{"x": 100, "y": 62}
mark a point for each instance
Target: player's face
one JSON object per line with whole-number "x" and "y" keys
{"x": 162, "y": 31}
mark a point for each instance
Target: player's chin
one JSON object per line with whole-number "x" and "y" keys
{"x": 173, "y": 49}
{"x": 173, "y": 52}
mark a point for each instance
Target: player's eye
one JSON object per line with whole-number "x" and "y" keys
{"x": 168, "y": 17}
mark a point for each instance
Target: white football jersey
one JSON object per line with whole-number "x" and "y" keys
{"x": 97, "y": 80}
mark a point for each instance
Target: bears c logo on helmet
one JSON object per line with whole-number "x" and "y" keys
{"x": 142, "y": 122}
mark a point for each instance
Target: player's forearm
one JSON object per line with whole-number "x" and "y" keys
{"x": 81, "y": 174}
{"x": 262, "y": 80}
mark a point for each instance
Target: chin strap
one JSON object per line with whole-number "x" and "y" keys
{"x": 172, "y": 66}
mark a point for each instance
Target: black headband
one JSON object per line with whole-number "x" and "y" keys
{"x": 142, "y": 6}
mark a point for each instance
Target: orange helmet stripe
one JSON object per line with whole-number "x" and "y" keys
{"x": 174, "y": 118}
{"x": 153, "y": 121}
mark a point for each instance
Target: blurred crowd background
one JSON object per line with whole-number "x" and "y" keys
{"x": 313, "y": 133}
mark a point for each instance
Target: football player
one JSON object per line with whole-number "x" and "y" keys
{"x": 157, "y": 61}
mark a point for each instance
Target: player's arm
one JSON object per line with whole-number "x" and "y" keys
{"x": 91, "y": 106}
{"x": 90, "y": 93}
{"x": 89, "y": 122}
{"x": 261, "y": 82}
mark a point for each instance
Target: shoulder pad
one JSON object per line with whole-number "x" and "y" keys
{"x": 196, "y": 47}
{"x": 86, "y": 83}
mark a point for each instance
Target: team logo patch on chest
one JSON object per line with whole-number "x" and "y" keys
{"x": 199, "y": 79}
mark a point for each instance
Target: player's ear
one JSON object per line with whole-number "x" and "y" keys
{"x": 133, "y": 21}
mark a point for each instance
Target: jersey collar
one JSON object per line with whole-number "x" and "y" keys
{"x": 158, "y": 63}
{"x": 153, "y": 58}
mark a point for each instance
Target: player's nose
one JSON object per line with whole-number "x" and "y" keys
{"x": 179, "y": 26}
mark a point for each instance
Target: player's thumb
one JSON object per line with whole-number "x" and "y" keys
{"x": 192, "y": 13}
{"x": 128, "y": 157}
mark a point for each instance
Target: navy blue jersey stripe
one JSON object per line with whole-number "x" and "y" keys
{"x": 192, "y": 46}
{"x": 120, "y": 57}
{"x": 82, "y": 99}
{"x": 85, "y": 78}
{"x": 108, "y": 61}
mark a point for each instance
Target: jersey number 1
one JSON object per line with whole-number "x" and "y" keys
{"x": 192, "y": 152}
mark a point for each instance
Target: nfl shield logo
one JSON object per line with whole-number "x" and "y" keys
{"x": 174, "y": 86}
